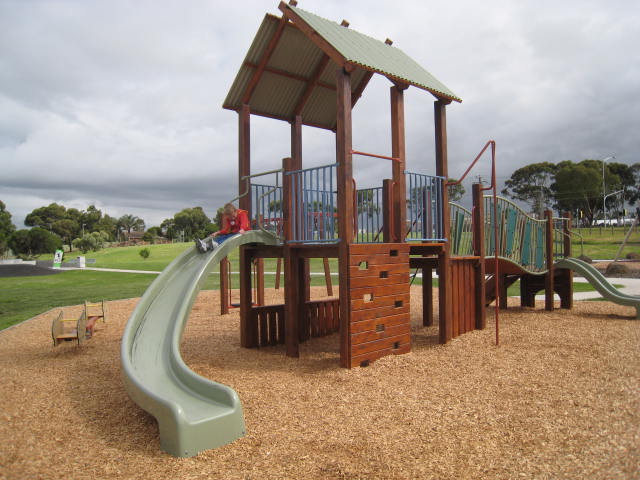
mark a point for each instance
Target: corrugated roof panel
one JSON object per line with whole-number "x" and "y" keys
{"x": 234, "y": 97}
{"x": 277, "y": 95}
{"x": 329, "y": 74}
{"x": 254, "y": 54}
{"x": 320, "y": 109}
{"x": 295, "y": 45}
{"x": 374, "y": 54}
{"x": 266, "y": 31}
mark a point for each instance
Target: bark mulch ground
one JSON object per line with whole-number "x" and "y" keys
{"x": 558, "y": 399}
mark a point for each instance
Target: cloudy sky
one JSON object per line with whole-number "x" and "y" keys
{"x": 119, "y": 103}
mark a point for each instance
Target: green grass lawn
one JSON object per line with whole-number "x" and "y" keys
{"x": 603, "y": 243}
{"x": 24, "y": 297}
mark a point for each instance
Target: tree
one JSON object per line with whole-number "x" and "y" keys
{"x": 130, "y": 222}
{"x": 6, "y": 228}
{"x": 168, "y": 228}
{"x": 634, "y": 194}
{"x": 90, "y": 218}
{"x": 66, "y": 229}
{"x": 578, "y": 187}
{"x": 91, "y": 242}
{"x": 108, "y": 225}
{"x": 456, "y": 192}
{"x": 34, "y": 242}
{"x": 44, "y": 217}
{"x": 531, "y": 184}
{"x": 191, "y": 221}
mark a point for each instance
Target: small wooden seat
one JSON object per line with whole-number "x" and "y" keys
{"x": 67, "y": 329}
{"x": 81, "y": 328}
{"x": 95, "y": 310}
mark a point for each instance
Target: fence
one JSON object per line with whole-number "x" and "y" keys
{"x": 461, "y": 230}
{"x": 314, "y": 204}
{"x": 266, "y": 203}
{"x": 521, "y": 238}
{"x": 424, "y": 208}
{"x": 369, "y": 215}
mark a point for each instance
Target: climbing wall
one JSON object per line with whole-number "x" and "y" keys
{"x": 380, "y": 302}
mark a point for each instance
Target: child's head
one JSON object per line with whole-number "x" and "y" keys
{"x": 230, "y": 210}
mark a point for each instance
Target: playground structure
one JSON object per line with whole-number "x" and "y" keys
{"x": 306, "y": 70}
{"x": 79, "y": 329}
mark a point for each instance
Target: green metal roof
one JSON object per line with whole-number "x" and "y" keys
{"x": 373, "y": 54}
{"x": 290, "y": 68}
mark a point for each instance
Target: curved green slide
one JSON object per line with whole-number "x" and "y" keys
{"x": 193, "y": 413}
{"x": 600, "y": 283}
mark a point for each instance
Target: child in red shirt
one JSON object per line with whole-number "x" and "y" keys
{"x": 234, "y": 221}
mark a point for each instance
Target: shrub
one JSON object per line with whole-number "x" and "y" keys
{"x": 144, "y": 253}
{"x": 31, "y": 243}
{"x": 91, "y": 242}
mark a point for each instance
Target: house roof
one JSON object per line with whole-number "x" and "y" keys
{"x": 290, "y": 68}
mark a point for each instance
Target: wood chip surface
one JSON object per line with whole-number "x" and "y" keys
{"x": 558, "y": 399}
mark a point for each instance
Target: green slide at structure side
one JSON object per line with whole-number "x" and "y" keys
{"x": 600, "y": 283}
{"x": 193, "y": 413}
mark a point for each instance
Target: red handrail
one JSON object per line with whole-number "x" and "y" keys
{"x": 384, "y": 157}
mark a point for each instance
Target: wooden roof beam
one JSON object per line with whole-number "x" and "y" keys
{"x": 264, "y": 60}
{"x": 293, "y": 76}
{"x": 357, "y": 93}
{"x": 311, "y": 85}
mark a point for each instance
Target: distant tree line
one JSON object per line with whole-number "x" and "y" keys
{"x": 87, "y": 230}
{"x": 576, "y": 187}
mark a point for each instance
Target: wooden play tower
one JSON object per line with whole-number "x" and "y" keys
{"x": 306, "y": 70}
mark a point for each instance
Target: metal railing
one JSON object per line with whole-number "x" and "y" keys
{"x": 521, "y": 238}
{"x": 424, "y": 208}
{"x": 369, "y": 215}
{"x": 461, "y": 233}
{"x": 266, "y": 203}
{"x": 314, "y": 204}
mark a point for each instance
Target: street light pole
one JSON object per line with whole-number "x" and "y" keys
{"x": 604, "y": 197}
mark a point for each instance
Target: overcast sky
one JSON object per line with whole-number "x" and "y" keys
{"x": 119, "y": 103}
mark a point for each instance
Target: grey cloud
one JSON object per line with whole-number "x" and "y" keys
{"x": 119, "y": 103}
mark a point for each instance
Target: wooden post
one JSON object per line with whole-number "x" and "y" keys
{"x": 479, "y": 251}
{"x": 566, "y": 300}
{"x": 248, "y": 331}
{"x": 549, "y": 278}
{"x": 259, "y": 281}
{"x": 327, "y": 276}
{"x": 291, "y": 290}
{"x": 296, "y": 142}
{"x": 427, "y": 297}
{"x": 398, "y": 167}
{"x": 224, "y": 286}
{"x": 444, "y": 259}
{"x": 345, "y": 207}
{"x": 278, "y": 273}
{"x": 244, "y": 156}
